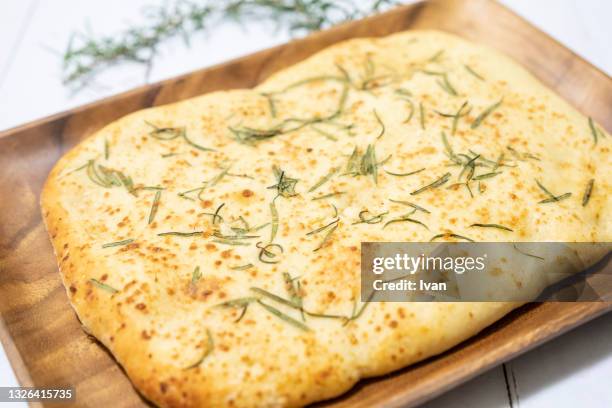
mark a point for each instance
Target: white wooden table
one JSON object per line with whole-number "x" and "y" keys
{"x": 573, "y": 370}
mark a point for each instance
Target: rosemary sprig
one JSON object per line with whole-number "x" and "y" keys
{"x": 474, "y": 73}
{"x": 405, "y": 218}
{"x": 103, "y": 286}
{"x": 118, "y": 243}
{"x": 324, "y": 196}
{"x": 463, "y": 110}
{"x": 366, "y": 164}
{"x": 324, "y": 179}
{"x": 442, "y": 81}
{"x": 242, "y": 303}
{"x": 266, "y": 252}
{"x": 587, "y": 192}
{"x": 274, "y": 214}
{"x": 522, "y": 156}
{"x": 331, "y": 227}
{"x": 380, "y": 123}
{"x": 196, "y": 275}
{"x": 284, "y": 316}
{"x": 285, "y": 186}
{"x": 108, "y": 178}
{"x": 171, "y": 133}
{"x": 106, "y": 149}
{"x": 422, "y": 115}
{"x": 409, "y": 204}
{"x": 86, "y": 56}
{"x": 480, "y": 118}
{"x": 242, "y": 267}
{"x": 527, "y": 254}
{"x": 492, "y": 226}
{"x": 210, "y": 345}
{"x": 374, "y": 219}
{"x": 595, "y": 131}
{"x": 435, "y": 184}
{"x": 552, "y": 198}
{"x": 450, "y": 235}
{"x": 180, "y": 234}
{"x": 485, "y": 176}
{"x": 404, "y": 174}
{"x": 154, "y": 206}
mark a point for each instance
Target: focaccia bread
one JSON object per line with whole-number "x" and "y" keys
{"x": 213, "y": 245}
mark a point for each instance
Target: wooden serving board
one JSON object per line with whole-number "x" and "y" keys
{"x": 42, "y": 335}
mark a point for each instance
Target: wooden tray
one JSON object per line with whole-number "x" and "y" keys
{"x": 41, "y": 333}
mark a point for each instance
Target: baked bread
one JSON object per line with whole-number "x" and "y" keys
{"x": 213, "y": 245}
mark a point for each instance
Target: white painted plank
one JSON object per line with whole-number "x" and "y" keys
{"x": 14, "y": 20}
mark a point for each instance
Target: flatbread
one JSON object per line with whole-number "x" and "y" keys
{"x": 163, "y": 277}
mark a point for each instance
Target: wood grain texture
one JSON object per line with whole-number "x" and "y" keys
{"x": 41, "y": 333}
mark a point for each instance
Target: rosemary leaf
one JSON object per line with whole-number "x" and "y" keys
{"x": 587, "y": 192}
{"x": 404, "y": 174}
{"x": 196, "y": 275}
{"x": 382, "y": 125}
{"x": 324, "y": 179}
{"x": 103, "y": 286}
{"x": 480, "y": 118}
{"x": 434, "y": 184}
{"x": 474, "y": 73}
{"x": 154, "y": 206}
{"x": 284, "y": 317}
{"x": 118, "y": 243}
{"x": 450, "y": 235}
{"x": 492, "y": 226}
{"x": 409, "y": 204}
{"x": 210, "y": 345}
{"x": 180, "y": 234}
{"x": 242, "y": 267}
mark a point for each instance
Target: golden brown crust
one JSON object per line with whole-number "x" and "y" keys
{"x": 157, "y": 324}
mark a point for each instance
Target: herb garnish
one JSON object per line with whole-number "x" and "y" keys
{"x": 362, "y": 165}
{"x": 474, "y": 73}
{"x": 492, "y": 226}
{"x": 324, "y": 179}
{"x": 196, "y": 275}
{"x": 337, "y": 193}
{"x": 587, "y": 192}
{"x": 154, "y": 206}
{"x": 170, "y": 133}
{"x": 527, "y": 254}
{"x": 283, "y": 316}
{"x": 595, "y": 131}
{"x": 118, "y": 243}
{"x": 374, "y": 219}
{"x": 408, "y": 203}
{"x": 463, "y": 110}
{"x": 210, "y": 345}
{"x": 180, "y": 234}
{"x": 107, "y": 178}
{"x": 331, "y": 227}
{"x": 285, "y": 186}
{"x": 450, "y": 235}
{"x": 242, "y": 267}
{"x": 422, "y": 115}
{"x": 382, "y": 125}
{"x": 552, "y": 197}
{"x": 404, "y": 174}
{"x": 267, "y": 252}
{"x": 436, "y": 183}
{"x": 103, "y": 286}
{"x": 480, "y": 118}
{"x": 406, "y": 218}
